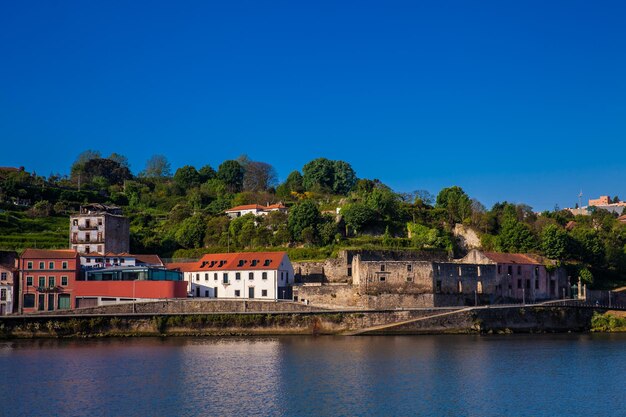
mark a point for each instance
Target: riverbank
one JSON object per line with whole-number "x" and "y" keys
{"x": 482, "y": 320}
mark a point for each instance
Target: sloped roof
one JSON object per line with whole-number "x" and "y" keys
{"x": 247, "y": 207}
{"x": 49, "y": 254}
{"x": 183, "y": 266}
{"x": 148, "y": 259}
{"x": 240, "y": 261}
{"x": 512, "y": 258}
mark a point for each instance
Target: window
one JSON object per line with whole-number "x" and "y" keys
{"x": 499, "y": 269}
{"x": 215, "y": 276}
{"x": 438, "y": 286}
{"x": 29, "y": 265}
{"x": 206, "y": 276}
{"x": 519, "y": 270}
{"x": 88, "y": 237}
{"x": 251, "y": 276}
{"x": 87, "y": 249}
{"x": 64, "y": 301}
{"x": 519, "y": 283}
{"x": 510, "y": 270}
{"x": 50, "y": 265}
{"x": 99, "y": 222}
{"x": 382, "y": 268}
{"x": 263, "y": 293}
{"x": 409, "y": 268}
{"x": 237, "y": 293}
{"x": 42, "y": 281}
{"x": 527, "y": 284}
{"x": 75, "y": 222}
{"x": 50, "y": 281}
{"x": 409, "y": 279}
{"x": 349, "y": 271}
{"x": 225, "y": 277}
{"x": 197, "y": 277}
{"x": 100, "y": 248}
{"x": 206, "y": 292}
{"x": 64, "y": 265}
{"x": 63, "y": 281}
{"x": 264, "y": 275}
{"x": 41, "y": 302}
{"x": 42, "y": 265}
{"x": 536, "y": 284}
{"x": 3, "y": 294}
{"x": 382, "y": 278}
{"x": 3, "y": 276}
{"x": 29, "y": 281}
{"x": 238, "y": 276}
{"x": 29, "y": 300}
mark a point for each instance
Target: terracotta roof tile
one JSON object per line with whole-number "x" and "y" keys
{"x": 512, "y": 258}
{"x": 241, "y": 261}
{"x": 49, "y": 254}
{"x": 183, "y": 266}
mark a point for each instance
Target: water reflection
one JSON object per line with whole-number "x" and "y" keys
{"x": 540, "y": 375}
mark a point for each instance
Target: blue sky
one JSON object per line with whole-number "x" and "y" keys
{"x": 517, "y": 101}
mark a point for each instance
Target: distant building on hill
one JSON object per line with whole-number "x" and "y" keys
{"x": 255, "y": 209}
{"x": 98, "y": 228}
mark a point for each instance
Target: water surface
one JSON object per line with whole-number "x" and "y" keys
{"x": 517, "y": 375}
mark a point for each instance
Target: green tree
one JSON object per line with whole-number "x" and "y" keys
{"x": 207, "y": 173}
{"x": 231, "y": 174}
{"x": 457, "y": 204}
{"x": 318, "y": 174}
{"x": 190, "y": 234}
{"x": 303, "y": 215}
{"x": 554, "y": 242}
{"x": 358, "y": 216}
{"x": 585, "y": 276}
{"x": 516, "y": 236}
{"x": 344, "y": 177}
{"x": 186, "y": 177}
{"x": 259, "y": 176}
{"x": 294, "y": 182}
{"x": 111, "y": 170}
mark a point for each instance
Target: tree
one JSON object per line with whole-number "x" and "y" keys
{"x": 457, "y": 204}
{"x": 157, "y": 167}
{"x": 187, "y": 177}
{"x": 585, "y": 276}
{"x": 190, "y": 234}
{"x": 206, "y": 173}
{"x": 120, "y": 159}
{"x": 344, "y": 177}
{"x": 358, "y": 216}
{"x": 318, "y": 175}
{"x": 77, "y": 170}
{"x": 294, "y": 182}
{"x": 303, "y": 215}
{"x": 259, "y": 176}
{"x": 231, "y": 173}
{"x": 111, "y": 170}
{"x": 516, "y": 236}
{"x": 554, "y": 242}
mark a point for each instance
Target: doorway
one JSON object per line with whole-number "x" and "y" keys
{"x": 251, "y": 292}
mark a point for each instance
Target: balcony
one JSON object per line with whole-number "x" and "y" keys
{"x": 86, "y": 242}
{"x": 48, "y": 289}
{"x": 85, "y": 227}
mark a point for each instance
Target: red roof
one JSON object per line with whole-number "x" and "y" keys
{"x": 241, "y": 261}
{"x": 49, "y": 254}
{"x": 183, "y": 266}
{"x": 512, "y": 258}
{"x": 148, "y": 259}
{"x": 247, "y": 207}
{"x": 276, "y": 206}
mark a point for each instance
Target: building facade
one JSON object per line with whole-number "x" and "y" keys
{"x": 47, "y": 279}
{"x": 251, "y": 275}
{"x": 255, "y": 209}
{"x": 99, "y": 229}
{"x": 9, "y": 284}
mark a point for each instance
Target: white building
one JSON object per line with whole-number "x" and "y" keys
{"x": 246, "y": 275}
{"x": 98, "y": 228}
{"x": 255, "y": 209}
{"x": 95, "y": 260}
{"x": 8, "y": 278}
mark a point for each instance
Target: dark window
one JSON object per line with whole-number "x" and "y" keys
{"x": 536, "y": 284}
{"x": 3, "y": 276}
{"x": 29, "y": 265}
{"x": 238, "y": 276}
{"x": 382, "y": 278}
{"x": 50, "y": 281}
{"x": 263, "y": 293}
{"x": 519, "y": 270}
{"x": 251, "y": 276}
{"x": 510, "y": 270}
{"x": 499, "y": 269}
{"x": 42, "y": 265}
{"x": 29, "y": 281}
{"x": 528, "y": 284}
{"x": 409, "y": 279}
{"x": 409, "y": 268}
{"x": 215, "y": 276}
{"x": 349, "y": 271}
{"x": 225, "y": 277}
{"x": 264, "y": 275}
{"x": 41, "y": 302}
{"x": 64, "y": 265}
{"x": 50, "y": 302}
{"x": 206, "y": 276}
{"x": 519, "y": 283}
{"x": 197, "y": 277}
{"x": 50, "y": 265}
{"x": 42, "y": 281}
{"x": 3, "y": 294}
{"x": 237, "y": 293}
{"x": 63, "y": 281}
{"x": 382, "y": 268}
{"x": 438, "y": 286}
{"x": 29, "y": 300}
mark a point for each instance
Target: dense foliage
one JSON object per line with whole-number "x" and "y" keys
{"x": 182, "y": 214}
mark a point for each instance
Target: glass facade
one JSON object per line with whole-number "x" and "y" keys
{"x": 132, "y": 274}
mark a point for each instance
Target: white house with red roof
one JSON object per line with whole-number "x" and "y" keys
{"x": 244, "y": 275}
{"x": 256, "y": 209}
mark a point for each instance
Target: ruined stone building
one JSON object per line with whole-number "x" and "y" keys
{"x": 98, "y": 228}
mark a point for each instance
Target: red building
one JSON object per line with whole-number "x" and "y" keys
{"x": 47, "y": 279}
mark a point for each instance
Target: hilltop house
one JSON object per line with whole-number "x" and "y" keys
{"x": 255, "y": 209}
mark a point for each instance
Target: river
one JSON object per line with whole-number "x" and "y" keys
{"x": 515, "y": 375}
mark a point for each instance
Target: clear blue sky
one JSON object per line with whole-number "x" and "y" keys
{"x": 518, "y": 101}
